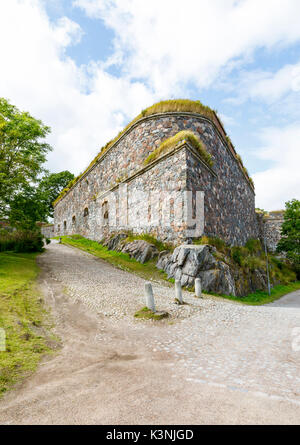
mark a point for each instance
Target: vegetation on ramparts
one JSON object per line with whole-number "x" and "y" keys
{"x": 173, "y": 141}
{"x": 176, "y": 105}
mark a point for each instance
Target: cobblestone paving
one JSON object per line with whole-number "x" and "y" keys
{"x": 243, "y": 348}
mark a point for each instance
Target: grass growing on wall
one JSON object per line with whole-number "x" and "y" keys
{"x": 171, "y": 142}
{"x": 150, "y": 239}
{"x": 183, "y": 105}
{"x": 21, "y": 316}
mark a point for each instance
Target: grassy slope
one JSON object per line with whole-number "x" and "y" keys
{"x": 21, "y": 315}
{"x": 118, "y": 259}
{"x": 149, "y": 271}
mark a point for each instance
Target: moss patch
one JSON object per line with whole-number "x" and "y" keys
{"x": 147, "y": 314}
{"x": 170, "y": 143}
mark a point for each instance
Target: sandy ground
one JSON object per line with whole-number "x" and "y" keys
{"x": 215, "y": 363}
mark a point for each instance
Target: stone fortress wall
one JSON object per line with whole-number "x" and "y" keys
{"x": 271, "y": 228}
{"x": 120, "y": 192}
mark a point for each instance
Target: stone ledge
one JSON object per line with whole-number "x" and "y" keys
{"x": 157, "y": 161}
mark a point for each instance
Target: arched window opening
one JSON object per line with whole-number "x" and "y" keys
{"x": 86, "y": 212}
{"x": 65, "y": 225}
{"x": 105, "y": 212}
{"x": 73, "y": 219}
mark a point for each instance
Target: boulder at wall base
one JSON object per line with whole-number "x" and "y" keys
{"x": 113, "y": 242}
{"x": 141, "y": 250}
{"x": 190, "y": 261}
{"x": 218, "y": 280}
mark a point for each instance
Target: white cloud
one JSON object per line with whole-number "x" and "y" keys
{"x": 280, "y": 182}
{"x": 269, "y": 87}
{"x": 169, "y": 43}
{"x": 38, "y": 77}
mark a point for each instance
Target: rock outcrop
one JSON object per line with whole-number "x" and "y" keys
{"x": 188, "y": 262}
{"x": 218, "y": 273}
{"x": 141, "y": 250}
{"x": 192, "y": 261}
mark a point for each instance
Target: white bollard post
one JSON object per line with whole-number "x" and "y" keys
{"x": 178, "y": 291}
{"x": 149, "y": 297}
{"x": 198, "y": 290}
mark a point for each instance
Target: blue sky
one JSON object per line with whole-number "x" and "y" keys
{"x": 87, "y": 67}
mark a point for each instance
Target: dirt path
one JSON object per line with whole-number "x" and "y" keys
{"x": 215, "y": 362}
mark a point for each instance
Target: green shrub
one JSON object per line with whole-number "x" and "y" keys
{"x": 254, "y": 246}
{"x": 252, "y": 262}
{"x": 238, "y": 253}
{"x": 21, "y": 241}
{"x": 218, "y": 243}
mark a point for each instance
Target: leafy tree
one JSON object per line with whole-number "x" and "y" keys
{"x": 22, "y": 153}
{"x": 26, "y": 208}
{"x": 50, "y": 187}
{"x": 290, "y": 232}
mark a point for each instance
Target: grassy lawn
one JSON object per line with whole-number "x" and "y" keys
{"x": 21, "y": 317}
{"x": 150, "y": 272}
{"x": 121, "y": 260}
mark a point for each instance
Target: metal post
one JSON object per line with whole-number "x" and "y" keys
{"x": 267, "y": 262}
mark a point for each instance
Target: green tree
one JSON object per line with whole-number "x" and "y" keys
{"x": 290, "y": 232}
{"x": 22, "y": 153}
{"x": 50, "y": 187}
{"x": 26, "y": 208}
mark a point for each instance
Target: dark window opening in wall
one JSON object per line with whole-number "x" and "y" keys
{"x": 58, "y": 228}
{"x": 86, "y": 212}
{"x": 105, "y": 212}
{"x": 73, "y": 219}
{"x": 194, "y": 213}
{"x": 65, "y": 225}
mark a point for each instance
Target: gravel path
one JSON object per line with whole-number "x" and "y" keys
{"x": 218, "y": 361}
